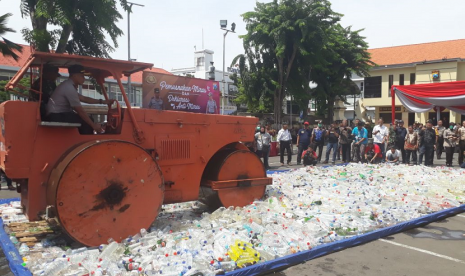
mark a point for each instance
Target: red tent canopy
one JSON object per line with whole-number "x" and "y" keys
{"x": 424, "y": 97}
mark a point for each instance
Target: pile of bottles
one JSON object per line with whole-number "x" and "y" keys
{"x": 12, "y": 212}
{"x": 303, "y": 208}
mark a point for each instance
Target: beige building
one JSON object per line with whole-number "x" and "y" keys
{"x": 408, "y": 65}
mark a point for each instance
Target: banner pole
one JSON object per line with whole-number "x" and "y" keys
{"x": 393, "y": 108}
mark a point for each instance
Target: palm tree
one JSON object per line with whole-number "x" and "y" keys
{"x": 7, "y": 48}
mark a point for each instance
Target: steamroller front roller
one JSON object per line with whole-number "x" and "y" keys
{"x": 233, "y": 178}
{"x": 105, "y": 189}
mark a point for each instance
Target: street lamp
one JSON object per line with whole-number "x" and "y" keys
{"x": 129, "y": 40}
{"x": 224, "y": 25}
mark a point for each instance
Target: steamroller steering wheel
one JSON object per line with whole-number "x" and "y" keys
{"x": 114, "y": 115}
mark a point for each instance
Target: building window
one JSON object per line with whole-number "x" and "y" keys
{"x": 88, "y": 89}
{"x": 200, "y": 61}
{"x": 391, "y": 82}
{"x": 115, "y": 93}
{"x": 412, "y": 78}
{"x": 372, "y": 87}
{"x": 135, "y": 96}
{"x": 138, "y": 101}
{"x": 401, "y": 79}
{"x": 361, "y": 86}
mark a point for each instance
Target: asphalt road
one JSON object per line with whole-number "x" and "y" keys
{"x": 433, "y": 250}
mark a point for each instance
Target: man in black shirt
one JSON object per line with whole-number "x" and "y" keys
{"x": 303, "y": 141}
{"x": 429, "y": 140}
{"x": 49, "y": 76}
{"x": 333, "y": 136}
{"x": 401, "y": 132}
{"x": 345, "y": 140}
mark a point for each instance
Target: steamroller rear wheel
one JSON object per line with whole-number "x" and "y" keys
{"x": 233, "y": 164}
{"x": 106, "y": 189}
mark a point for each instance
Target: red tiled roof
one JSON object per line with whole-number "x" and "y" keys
{"x": 137, "y": 77}
{"x": 418, "y": 52}
{"x": 9, "y": 61}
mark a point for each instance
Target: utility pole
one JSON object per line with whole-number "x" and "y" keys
{"x": 224, "y": 24}
{"x": 129, "y": 43}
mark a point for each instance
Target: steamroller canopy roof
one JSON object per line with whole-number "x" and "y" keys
{"x": 97, "y": 67}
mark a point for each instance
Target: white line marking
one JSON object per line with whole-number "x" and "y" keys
{"x": 462, "y": 216}
{"x": 425, "y": 251}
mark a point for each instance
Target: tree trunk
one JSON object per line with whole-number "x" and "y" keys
{"x": 283, "y": 77}
{"x": 64, "y": 37}
{"x": 289, "y": 65}
{"x": 278, "y": 95}
{"x": 39, "y": 28}
{"x": 330, "y": 110}
{"x": 66, "y": 32}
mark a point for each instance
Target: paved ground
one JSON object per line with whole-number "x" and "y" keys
{"x": 436, "y": 249}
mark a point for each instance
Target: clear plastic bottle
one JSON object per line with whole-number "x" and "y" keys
{"x": 109, "y": 251}
{"x": 225, "y": 266}
{"x": 56, "y": 267}
{"x": 75, "y": 251}
{"x": 131, "y": 266}
{"x": 14, "y": 240}
{"x": 23, "y": 249}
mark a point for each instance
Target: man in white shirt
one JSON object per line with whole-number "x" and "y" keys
{"x": 285, "y": 143}
{"x": 393, "y": 155}
{"x": 380, "y": 135}
{"x": 262, "y": 145}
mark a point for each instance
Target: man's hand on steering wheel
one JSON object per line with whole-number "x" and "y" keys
{"x": 109, "y": 102}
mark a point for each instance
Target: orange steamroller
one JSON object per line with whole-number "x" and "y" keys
{"x": 111, "y": 185}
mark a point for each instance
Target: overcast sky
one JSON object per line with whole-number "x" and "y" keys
{"x": 165, "y": 32}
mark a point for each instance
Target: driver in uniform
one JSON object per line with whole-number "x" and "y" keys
{"x": 65, "y": 106}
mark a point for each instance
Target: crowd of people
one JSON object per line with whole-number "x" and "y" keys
{"x": 360, "y": 142}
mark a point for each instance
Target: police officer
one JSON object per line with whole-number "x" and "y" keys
{"x": 303, "y": 141}
{"x": 156, "y": 102}
{"x": 211, "y": 105}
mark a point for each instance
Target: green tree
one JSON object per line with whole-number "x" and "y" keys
{"x": 278, "y": 35}
{"x": 7, "y": 48}
{"x": 5, "y": 95}
{"x": 290, "y": 43}
{"x": 255, "y": 87}
{"x": 77, "y": 27}
{"x": 347, "y": 55}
